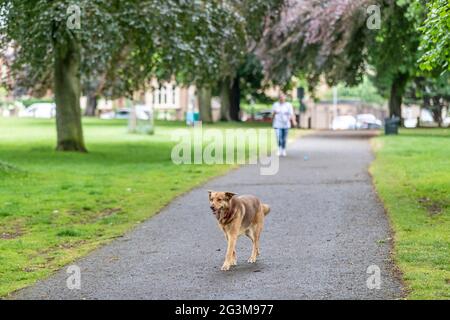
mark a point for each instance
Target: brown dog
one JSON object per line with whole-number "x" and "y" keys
{"x": 238, "y": 215}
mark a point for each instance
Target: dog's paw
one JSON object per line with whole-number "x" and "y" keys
{"x": 234, "y": 263}
{"x": 225, "y": 267}
{"x": 252, "y": 260}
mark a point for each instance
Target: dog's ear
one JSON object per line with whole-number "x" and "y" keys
{"x": 209, "y": 194}
{"x": 229, "y": 195}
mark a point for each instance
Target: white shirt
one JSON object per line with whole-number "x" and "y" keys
{"x": 283, "y": 114}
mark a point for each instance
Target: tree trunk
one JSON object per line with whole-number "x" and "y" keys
{"x": 396, "y": 95}
{"x": 235, "y": 100}
{"x": 437, "y": 110}
{"x": 204, "y": 104}
{"x": 91, "y": 107}
{"x": 225, "y": 95}
{"x": 67, "y": 97}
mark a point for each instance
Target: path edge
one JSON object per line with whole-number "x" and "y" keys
{"x": 396, "y": 271}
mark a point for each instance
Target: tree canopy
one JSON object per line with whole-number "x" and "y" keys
{"x": 317, "y": 37}
{"x": 123, "y": 42}
{"x": 435, "y": 42}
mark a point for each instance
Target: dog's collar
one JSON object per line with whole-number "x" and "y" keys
{"x": 223, "y": 216}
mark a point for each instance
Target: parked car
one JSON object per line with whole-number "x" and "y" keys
{"x": 142, "y": 112}
{"x": 107, "y": 115}
{"x": 367, "y": 121}
{"x": 410, "y": 123}
{"x": 122, "y": 113}
{"x": 426, "y": 120}
{"x": 446, "y": 122}
{"x": 261, "y": 116}
{"x": 344, "y": 123}
{"x": 39, "y": 110}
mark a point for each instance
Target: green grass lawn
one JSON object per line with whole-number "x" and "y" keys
{"x": 55, "y": 207}
{"x": 412, "y": 175}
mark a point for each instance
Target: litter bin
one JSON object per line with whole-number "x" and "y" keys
{"x": 391, "y": 125}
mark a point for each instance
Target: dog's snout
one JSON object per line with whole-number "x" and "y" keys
{"x": 212, "y": 207}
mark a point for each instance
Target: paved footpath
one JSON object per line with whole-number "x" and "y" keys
{"x": 325, "y": 229}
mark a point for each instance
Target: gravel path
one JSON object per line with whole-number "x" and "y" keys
{"x": 325, "y": 229}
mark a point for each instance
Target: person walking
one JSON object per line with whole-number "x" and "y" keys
{"x": 283, "y": 114}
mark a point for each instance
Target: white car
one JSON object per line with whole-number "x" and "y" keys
{"x": 367, "y": 121}
{"x": 410, "y": 123}
{"x": 446, "y": 122}
{"x": 107, "y": 115}
{"x": 142, "y": 113}
{"x": 426, "y": 120}
{"x": 426, "y": 117}
{"x": 39, "y": 110}
{"x": 123, "y": 113}
{"x": 344, "y": 123}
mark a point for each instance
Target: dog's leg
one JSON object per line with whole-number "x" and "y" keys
{"x": 257, "y": 235}
{"x": 234, "y": 259}
{"x": 252, "y": 258}
{"x": 259, "y": 229}
{"x": 226, "y": 235}
{"x": 232, "y": 237}
{"x": 252, "y": 235}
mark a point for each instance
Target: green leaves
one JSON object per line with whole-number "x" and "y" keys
{"x": 317, "y": 38}
{"x": 394, "y": 50}
{"x": 125, "y": 43}
{"x": 435, "y": 42}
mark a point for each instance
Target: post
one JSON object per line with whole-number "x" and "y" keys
{"x": 300, "y": 94}
{"x": 335, "y": 101}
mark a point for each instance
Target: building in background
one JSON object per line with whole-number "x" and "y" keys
{"x": 168, "y": 100}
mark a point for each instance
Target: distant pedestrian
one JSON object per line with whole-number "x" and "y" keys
{"x": 283, "y": 114}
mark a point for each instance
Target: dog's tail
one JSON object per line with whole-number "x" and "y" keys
{"x": 266, "y": 209}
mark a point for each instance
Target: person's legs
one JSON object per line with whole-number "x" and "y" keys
{"x": 283, "y": 141}
{"x": 284, "y": 138}
{"x": 279, "y": 139}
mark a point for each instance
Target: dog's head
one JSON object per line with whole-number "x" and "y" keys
{"x": 219, "y": 200}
